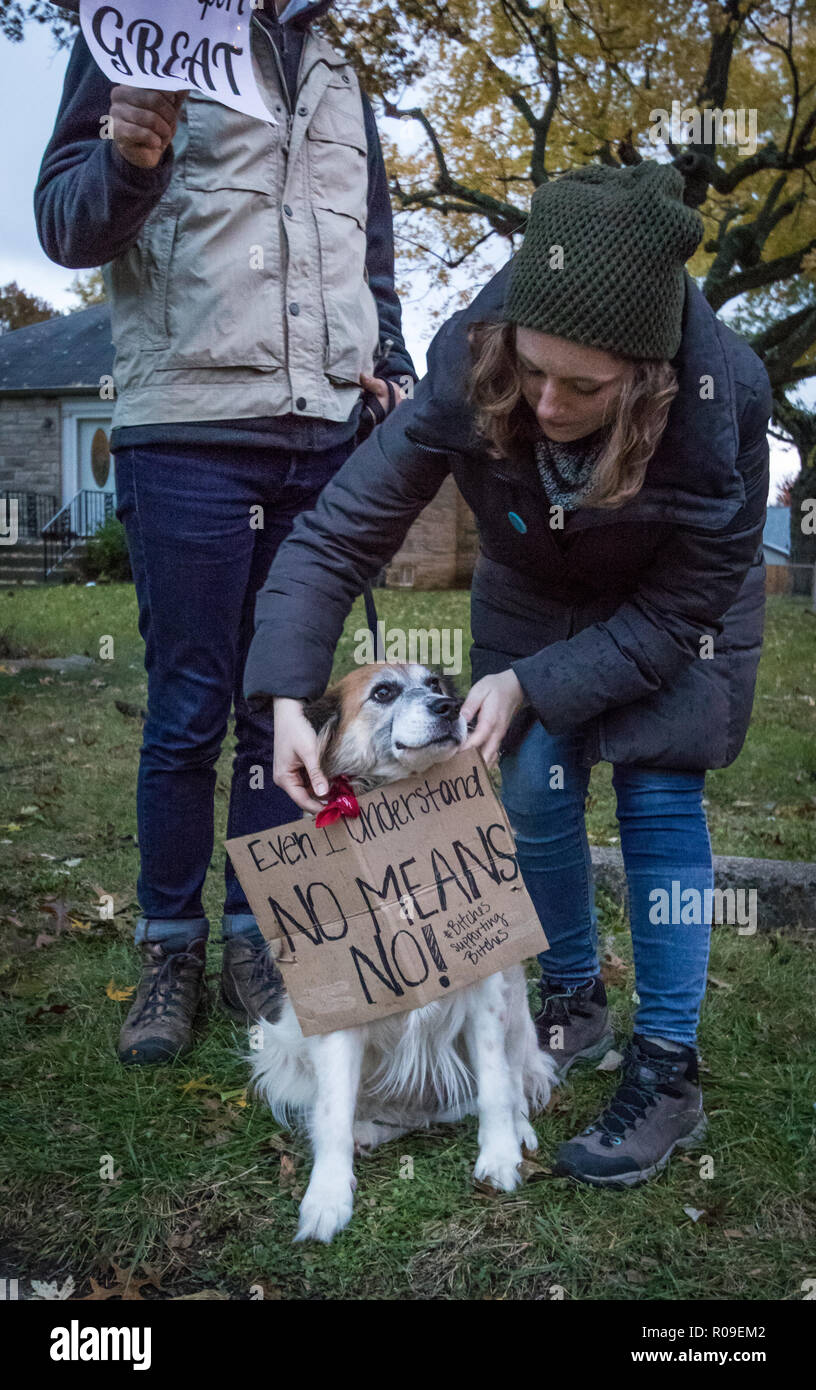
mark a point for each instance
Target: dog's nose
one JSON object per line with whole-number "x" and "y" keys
{"x": 445, "y": 706}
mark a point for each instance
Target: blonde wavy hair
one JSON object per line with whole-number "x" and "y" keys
{"x": 505, "y": 419}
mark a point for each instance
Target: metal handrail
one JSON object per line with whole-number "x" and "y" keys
{"x": 73, "y": 523}
{"x": 32, "y": 512}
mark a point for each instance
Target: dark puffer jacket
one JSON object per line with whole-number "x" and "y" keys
{"x": 604, "y": 636}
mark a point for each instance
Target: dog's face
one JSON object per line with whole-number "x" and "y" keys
{"x": 386, "y": 721}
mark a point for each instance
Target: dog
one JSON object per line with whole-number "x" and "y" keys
{"x": 475, "y": 1051}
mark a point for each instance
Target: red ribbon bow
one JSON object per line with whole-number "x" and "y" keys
{"x": 342, "y": 802}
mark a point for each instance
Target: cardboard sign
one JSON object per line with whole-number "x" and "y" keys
{"x": 170, "y": 45}
{"x": 419, "y": 895}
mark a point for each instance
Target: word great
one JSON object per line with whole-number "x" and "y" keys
{"x": 143, "y": 47}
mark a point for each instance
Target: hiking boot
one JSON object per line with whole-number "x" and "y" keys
{"x": 171, "y": 992}
{"x": 574, "y": 1026}
{"x": 251, "y": 984}
{"x": 657, "y": 1108}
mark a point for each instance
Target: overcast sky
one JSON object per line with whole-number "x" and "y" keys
{"x": 31, "y": 76}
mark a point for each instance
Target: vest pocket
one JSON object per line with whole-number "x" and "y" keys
{"x": 158, "y": 239}
{"x": 222, "y": 284}
{"x": 352, "y": 322}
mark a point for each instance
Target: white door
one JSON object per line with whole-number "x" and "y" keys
{"x": 94, "y": 458}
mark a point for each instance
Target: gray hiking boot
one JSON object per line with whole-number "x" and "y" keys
{"x": 574, "y": 1026}
{"x": 251, "y": 984}
{"x": 657, "y": 1108}
{"x": 171, "y": 992}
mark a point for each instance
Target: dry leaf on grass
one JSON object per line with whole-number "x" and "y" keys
{"x": 118, "y": 993}
{"x": 287, "y": 1176}
{"x": 126, "y": 1285}
{"x": 613, "y": 969}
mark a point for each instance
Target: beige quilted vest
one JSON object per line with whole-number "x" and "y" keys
{"x": 246, "y": 293}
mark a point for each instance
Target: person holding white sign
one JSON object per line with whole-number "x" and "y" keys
{"x": 248, "y": 256}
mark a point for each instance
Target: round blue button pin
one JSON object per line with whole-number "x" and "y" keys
{"x": 515, "y": 520}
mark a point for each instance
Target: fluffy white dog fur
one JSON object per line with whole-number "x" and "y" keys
{"x": 475, "y": 1051}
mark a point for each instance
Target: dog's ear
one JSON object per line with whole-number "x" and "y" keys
{"x": 324, "y": 716}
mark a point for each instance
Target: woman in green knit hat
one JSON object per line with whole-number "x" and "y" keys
{"x": 609, "y": 434}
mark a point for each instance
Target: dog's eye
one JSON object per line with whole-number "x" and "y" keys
{"x": 435, "y": 684}
{"x": 383, "y": 694}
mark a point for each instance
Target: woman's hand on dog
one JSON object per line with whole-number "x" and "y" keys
{"x": 495, "y": 700}
{"x": 296, "y": 768}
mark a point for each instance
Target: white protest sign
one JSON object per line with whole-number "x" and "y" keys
{"x": 171, "y": 45}
{"x": 419, "y": 895}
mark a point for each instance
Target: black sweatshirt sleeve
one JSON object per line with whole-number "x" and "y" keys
{"x": 90, "y": 202}
{"x": 394, "y": 361}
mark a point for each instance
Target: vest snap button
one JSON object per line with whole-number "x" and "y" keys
{"x": 295, "y": 309}
{"x": 516, "y": 521}
{"x": 301, "y": 403}
{"x": 346, "y": 78}
{"x": 288, "y": 210}
{"x": 303, "y": 110}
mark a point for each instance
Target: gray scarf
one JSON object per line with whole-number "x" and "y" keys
{"x": 566, "y": 469}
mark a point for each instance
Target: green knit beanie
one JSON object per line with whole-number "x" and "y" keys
{"x": 626, "y": 235}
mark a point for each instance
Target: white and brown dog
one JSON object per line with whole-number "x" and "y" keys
{"x": 475, "y": 1051}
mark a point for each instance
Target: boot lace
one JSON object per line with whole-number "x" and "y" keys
{"x": 635, "y": 1096}
{"x": 162, "y": 998}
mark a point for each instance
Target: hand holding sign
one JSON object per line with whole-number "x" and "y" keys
{"x": 144, "y": 123}
{"x": 165, "y": 45}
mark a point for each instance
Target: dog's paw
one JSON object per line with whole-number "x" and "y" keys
{"x": 499, "y": 1168}
{"x": 526, "y": 1135}
{"x": 368, "y": 1135}
{"x": 323, "y": 1214}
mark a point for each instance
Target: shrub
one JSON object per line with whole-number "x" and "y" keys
{"x": 106, "y": 554}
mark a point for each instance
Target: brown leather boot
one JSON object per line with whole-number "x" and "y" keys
{"x": 172, "y": 991}
{"x": 251, "y": 984}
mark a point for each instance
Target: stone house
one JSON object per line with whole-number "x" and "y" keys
{"x": 55, "y": 420}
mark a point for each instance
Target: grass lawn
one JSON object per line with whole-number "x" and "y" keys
{"x": 204, "y": 1186}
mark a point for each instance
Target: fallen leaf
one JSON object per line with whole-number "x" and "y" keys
{"x": 734, "y": 1235}
{"x": 53, "y": 1292}
{"x": 694, "y": 1212}
{"x": 286, "y": 1178}
{"x": 719, "y": 984}
{"x": 55, "y": 907}
{"x": 119, "y": 992}
{"x": 126, "y": 1285}
{"x": 610, "y": 1061}
{"x": 197, "y": 1083}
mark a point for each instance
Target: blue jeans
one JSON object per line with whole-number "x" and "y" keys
{"x": 198, "y": 557}
{"x": 664, "y": 841}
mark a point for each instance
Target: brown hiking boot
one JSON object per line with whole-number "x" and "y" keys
{"x": 657, "y": 1108}
{"x": 171, "y": 992}
{"x": 251, "y": 984}
{"x": 574, "y": 1027}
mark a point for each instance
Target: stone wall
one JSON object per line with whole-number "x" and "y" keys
{"x": 440, "y": 548}
{"x": 30, "y": 444}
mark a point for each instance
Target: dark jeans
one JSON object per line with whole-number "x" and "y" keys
{"x": 199, "y": 556}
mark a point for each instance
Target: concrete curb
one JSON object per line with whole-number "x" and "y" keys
{"x": 785, "y": 889}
